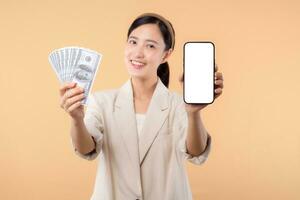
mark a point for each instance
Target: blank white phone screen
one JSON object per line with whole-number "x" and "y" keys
{"x": 199, "y": 72}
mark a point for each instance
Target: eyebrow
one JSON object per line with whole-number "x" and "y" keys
{"x": 148, "y": 40}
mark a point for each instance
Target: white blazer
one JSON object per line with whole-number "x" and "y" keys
{"x": 149, "y": 168}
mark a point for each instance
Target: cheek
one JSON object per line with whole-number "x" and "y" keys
{"x": 128, "y": 51}
{"x": 155, "y": 58}
{"x": 126, "y": 55}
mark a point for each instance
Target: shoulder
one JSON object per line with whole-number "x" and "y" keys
{"x": 105, "y": 97}
{"x": 177, "y": 106}
{"x": 175, "y": 98}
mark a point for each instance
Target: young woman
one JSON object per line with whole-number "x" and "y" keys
{"x": 142, "y": 132}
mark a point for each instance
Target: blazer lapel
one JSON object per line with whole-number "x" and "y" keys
{"x": 156, "y": 115}
{"x": 124, "y": 114}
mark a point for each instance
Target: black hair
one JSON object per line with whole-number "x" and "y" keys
{"x": 163, "y": 69}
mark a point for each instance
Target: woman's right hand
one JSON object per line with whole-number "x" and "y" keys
{"x": 71, "y": 97}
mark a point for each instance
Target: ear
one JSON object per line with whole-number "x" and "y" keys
{"x": 166, "y": 56}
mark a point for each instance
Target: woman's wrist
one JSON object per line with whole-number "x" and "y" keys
{"x": 77, "y": 121}
{"x": 194, "y": 114}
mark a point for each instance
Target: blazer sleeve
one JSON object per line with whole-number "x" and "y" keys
{"x": 93, "y": 121}
{"x": 181, "y": 122}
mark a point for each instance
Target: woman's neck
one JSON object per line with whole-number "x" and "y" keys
{"x": 143, "y": 89}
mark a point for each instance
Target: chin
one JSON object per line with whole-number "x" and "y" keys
{"x": 137, "y": 75}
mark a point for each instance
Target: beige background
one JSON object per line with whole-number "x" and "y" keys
{"x": 254, "y": 124}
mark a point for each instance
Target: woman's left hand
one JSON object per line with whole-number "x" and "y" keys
{"x": 193, "y": 108}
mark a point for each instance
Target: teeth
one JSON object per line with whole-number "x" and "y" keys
{"x": 137, "y": 63}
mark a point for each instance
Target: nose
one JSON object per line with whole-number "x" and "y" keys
{"x": 138, "y": 51}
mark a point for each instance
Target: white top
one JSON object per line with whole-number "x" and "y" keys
{"x": 140, "y": 118}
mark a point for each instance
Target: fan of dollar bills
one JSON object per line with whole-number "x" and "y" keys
{"x": 76, "y": 64}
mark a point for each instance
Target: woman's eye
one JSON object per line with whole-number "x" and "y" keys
{"x": 132, "y": 42}
{"x": 151, "y": 46}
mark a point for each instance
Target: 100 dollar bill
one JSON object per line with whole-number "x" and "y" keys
{"x": 85, "y": 71}
{"x": 76, "y": 64}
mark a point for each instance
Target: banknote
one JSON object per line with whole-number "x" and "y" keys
{"x": 76, "y": 64}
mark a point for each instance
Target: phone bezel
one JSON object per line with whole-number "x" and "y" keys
{"x": 184, "y": 73}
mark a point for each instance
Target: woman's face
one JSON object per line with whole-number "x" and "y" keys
{"x": 145, "y": 51}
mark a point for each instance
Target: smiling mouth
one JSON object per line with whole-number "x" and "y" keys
{"x": 137, "y": 64}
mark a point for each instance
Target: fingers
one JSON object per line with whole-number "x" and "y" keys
{"x": 181, "y": 78}
{"x": 218, "y": 76}
{"x": 73, "y": 100}
{"x": 71, "y": 96}
{"x": 74, "y": 106}
{"x": 219, "y": 83}
{"x": 218, "y": 91}
{"x": 216, "y": 67}
{"x": 65, "y": 87}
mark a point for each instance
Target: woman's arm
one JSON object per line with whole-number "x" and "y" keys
{"x": 197, "y": 136}
{"x": 71, "y": 97}
{"x": 82, "y": 140}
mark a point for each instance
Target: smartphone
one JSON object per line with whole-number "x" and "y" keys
{"x": 198, "y": 72}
